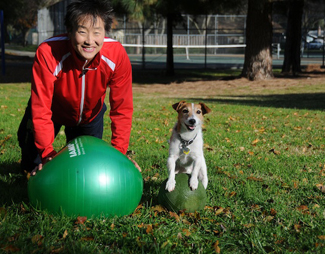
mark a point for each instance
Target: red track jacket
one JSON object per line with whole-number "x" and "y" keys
{"x": 65, "y": 92}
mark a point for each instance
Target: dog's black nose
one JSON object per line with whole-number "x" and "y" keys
{"x": 192, "y": 121}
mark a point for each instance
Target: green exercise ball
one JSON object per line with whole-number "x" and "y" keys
{"x": 89, "y": 178}
{"x": 182, "y": 197}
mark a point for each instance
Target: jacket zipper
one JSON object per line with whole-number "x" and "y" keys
{"x": 83, "y": 87}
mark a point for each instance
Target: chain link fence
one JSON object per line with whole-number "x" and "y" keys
{"x": 204, "y": 39}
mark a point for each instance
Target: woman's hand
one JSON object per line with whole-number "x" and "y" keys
{"x": 40, "y": 166}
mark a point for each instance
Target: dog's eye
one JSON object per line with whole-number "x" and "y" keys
{"x": 198, "y": 112}
{"x": 185, "y": 111}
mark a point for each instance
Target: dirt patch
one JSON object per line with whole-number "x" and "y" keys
{"x": 307, "y": 81}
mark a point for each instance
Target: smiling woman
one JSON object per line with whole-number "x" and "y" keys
{"x": 71, "y": 74}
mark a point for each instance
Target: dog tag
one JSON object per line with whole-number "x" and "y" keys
{"x": 186, "y": 150}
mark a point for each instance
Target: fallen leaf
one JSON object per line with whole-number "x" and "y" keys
{"x": 185, "y": 221}
{"x": 233, "y": 193}
{"x": 80, "y": 220}
{"x": 87, "y": 238}
{"x": 158, "y": 208}
{"x": 164, "y": 244}
{"x": 302, "y": 208}
{"x": 269, "y": 218}
{"x": 13, "y": 238}
{"x": 274, "y": 151}
{"x": 65, "y": 234}
{"x": 155, "y": 177}
{"x": 253, "y": 178}
{"x": 273, "y": 212}
{"x": 139, "y": 242}
{"x": 37, "y": 239}
{"x": 186, "y": 232}
{"x": 58, "y": 250}
{"x": 285, "y": 185}
{"x": 139, "y": 206}
{"x": 297, "y": 227}
{"x": 149, "y": 229}
{"x": 219, "y": 211}
{"x": 295, "y": 185}
{"x": 11, "y": 248}
{"x": 255, "y": 141}
{"x": 174, "y": 215}
{"x": 216, "y": 247}
{"x": 321, "y": 237}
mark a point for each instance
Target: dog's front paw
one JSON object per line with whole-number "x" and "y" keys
{"x": 194, "y": 183}
{"x": 170, "y": 185}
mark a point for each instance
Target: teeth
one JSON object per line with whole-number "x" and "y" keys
{"x": 88, "y": 49}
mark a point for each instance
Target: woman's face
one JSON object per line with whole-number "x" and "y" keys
{"x": 87, "y": 37}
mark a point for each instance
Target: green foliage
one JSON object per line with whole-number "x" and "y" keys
{"x": 265, "y": 156}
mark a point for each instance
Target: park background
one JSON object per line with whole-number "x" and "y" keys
{"x": 264, "y": 146}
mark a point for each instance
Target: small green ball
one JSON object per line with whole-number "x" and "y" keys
{"x": 182, "y": 197}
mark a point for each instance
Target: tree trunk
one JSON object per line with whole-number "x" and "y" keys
{"x": 258, "y": 53}
{"x": 170, "y": 53}
{"x": 292, "y": 50}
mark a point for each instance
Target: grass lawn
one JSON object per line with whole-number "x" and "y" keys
{"x": 264, "y": 148}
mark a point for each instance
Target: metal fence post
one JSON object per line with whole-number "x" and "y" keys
{"x": 3, "y": 63}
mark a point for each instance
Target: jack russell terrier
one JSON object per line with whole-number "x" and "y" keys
{"x": 186, "y": 145}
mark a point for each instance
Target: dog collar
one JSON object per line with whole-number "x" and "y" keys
{"x": 185, "y": 143}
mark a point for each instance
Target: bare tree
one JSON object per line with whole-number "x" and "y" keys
{"x": 292, "y": 49}
{"x": 258, "y": 53}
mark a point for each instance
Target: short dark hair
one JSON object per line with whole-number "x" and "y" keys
{"x": 95, "y": 8}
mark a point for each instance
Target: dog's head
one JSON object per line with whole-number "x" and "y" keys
{"x": 190, "y": 115}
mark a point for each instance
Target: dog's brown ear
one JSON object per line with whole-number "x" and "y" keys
{"x": 178, "y": 105}
{"x": 205, "y": 108}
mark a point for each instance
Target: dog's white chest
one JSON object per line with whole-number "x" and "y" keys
{"x": 185, "y": 160}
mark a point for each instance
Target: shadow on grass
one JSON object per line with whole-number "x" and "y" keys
{"x": 311, "y": 101}
{"x": 18, "y": 69}
{"x": 150, "y": 193}
{"x": 155, "y": 76}
{"x": 13, "y": 184}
